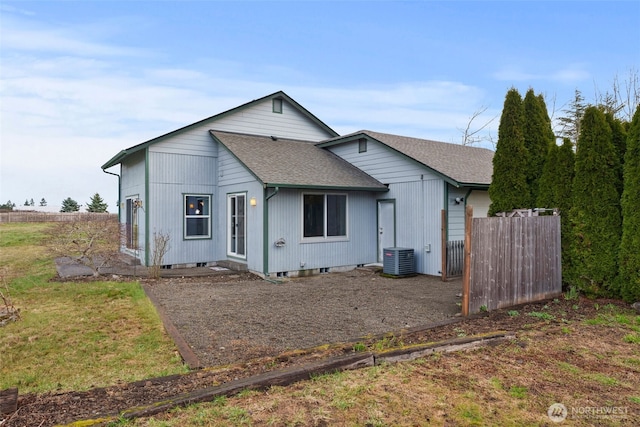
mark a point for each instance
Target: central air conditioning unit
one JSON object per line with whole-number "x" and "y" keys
{"x": 398, "y": 261}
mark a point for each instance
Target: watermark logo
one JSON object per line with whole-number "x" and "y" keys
{"x": 557, "y": 412}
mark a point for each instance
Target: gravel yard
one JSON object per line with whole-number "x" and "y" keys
{"x": 236, "y": 317}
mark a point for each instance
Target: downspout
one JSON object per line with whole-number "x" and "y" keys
{"x": 119, "y": 198}
{"x": 146, "y": 209}
{"x": 265, "y": 229}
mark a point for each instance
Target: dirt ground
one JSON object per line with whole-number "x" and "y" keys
{"x": 237, "y": 317}
{"x": 254, "y": 326}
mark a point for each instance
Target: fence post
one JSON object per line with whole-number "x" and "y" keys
{"x": 466, "y": 269}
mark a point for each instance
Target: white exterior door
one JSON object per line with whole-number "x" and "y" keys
{"x": 386, "y": 226}
{"x": 236, "y": 225}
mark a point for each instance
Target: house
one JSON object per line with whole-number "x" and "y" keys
{"x": 269, "y": 187}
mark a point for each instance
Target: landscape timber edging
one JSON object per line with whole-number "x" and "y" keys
{"x": 287, "y": 376}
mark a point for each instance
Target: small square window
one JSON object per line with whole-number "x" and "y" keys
{"x": 277, "y": 105}
{"x": 197, "y": 217}
{"x": 362, "y": 145}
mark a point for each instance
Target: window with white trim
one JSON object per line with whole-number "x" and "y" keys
{"x": 324, "y": 216}
{"x": 197, "y": 216}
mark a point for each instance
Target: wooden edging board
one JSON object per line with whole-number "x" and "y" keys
{"x": 188, "y": 355}
{"x": 8, "y": 401}
{"x": 294, "y": 374}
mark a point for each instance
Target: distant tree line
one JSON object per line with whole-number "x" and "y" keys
{"x": 592, "y": 177}
{"x": 96, "y": 204}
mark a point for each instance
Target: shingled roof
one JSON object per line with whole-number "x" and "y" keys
{"x": 463, "y": 165}
{"x": 279, "y": 162}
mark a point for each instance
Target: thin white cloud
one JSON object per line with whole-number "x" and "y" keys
{"x": 12, "y": 9}
{"x": 570, "y": 74}
{"x": 30, "y": 36}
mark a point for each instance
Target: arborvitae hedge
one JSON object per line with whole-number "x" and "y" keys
{"x": 595, "y": 214}
{"x": 509, "y": 188}
{"x": 538, "y": 137}
{"x": 546, "y": 191}
{"x": 555, "y": 190}
{"x": 619, "y": 139}
{"x": 629, "y": 279}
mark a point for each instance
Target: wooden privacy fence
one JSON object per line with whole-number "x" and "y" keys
{"x": 510, "y": 261}
{"x": 53, "y": 216}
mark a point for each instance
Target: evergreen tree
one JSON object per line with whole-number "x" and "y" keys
{"x": 619, "y": 138}
{"x": 555, "y": 190}
{"x": 32, "y": 203}
{"x": 508, "y": 189}
{"x": 8, "y": 206}
{"x": 629, "y": 279}
{"x": 69, "y": 205}
{"x": 570, "y": 122}
{"x": 538, "y": 137}
{"x": 97, "y": 204}
{"x": 26, "y": 202}
{"x": 595, "y": 213}
{"x": 547, "y": 182}
{"x": 43, "y": 202}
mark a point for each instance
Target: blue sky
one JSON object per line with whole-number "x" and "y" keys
{"x": 79, "y": 81}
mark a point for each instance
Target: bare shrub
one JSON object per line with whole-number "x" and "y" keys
{"x": 160, "y": 248}
{"x": 92, "y": 241}
{"x": 8, "y": 312}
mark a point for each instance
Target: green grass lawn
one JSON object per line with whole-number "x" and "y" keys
{"x": 73, "y": 335}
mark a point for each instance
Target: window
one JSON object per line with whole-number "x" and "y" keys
{"x": 362, "y": 145}
{"x": 197, "y": 216}
{"x": 324, "y": 215}
{"x": 277, "y": 105}
{"x": 131, "y": 222}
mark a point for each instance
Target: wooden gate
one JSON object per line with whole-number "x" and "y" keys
{"x": 452, "y": 252}
{"x": 455, "y": 257}
{"x": 510, "y": 261}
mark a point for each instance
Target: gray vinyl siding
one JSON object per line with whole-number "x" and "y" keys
{"x": 254, "y": 225}
{"x": 418, "y": 221}
{"x": 231, "y": 170}
{"x": 260, "y": 119}
{"x": 132, "y": 178}
{"x": 455, "y": 214}
{"x": 195, "y": 141}
{"x": 382, "y": 163}
{"x": 418, "y": 194}
{"x": 171, "y": 176}
{"x": 285, "y": 222}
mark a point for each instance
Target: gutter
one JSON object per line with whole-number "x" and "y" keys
{"x": 119, "y": 198}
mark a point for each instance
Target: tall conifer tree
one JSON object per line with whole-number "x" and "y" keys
{"x": 555, "y": 190}
{"x": 619, "y": 139}
{"x": 538, "y": 137}
{"x": 97, "y": 204}
{"x": 547, "y": 189}
{"x": 570, "y": 122}
{"x": 595, "y": 214}
{"x": 509, "y": 188}
{"x": 629, "y": 279}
